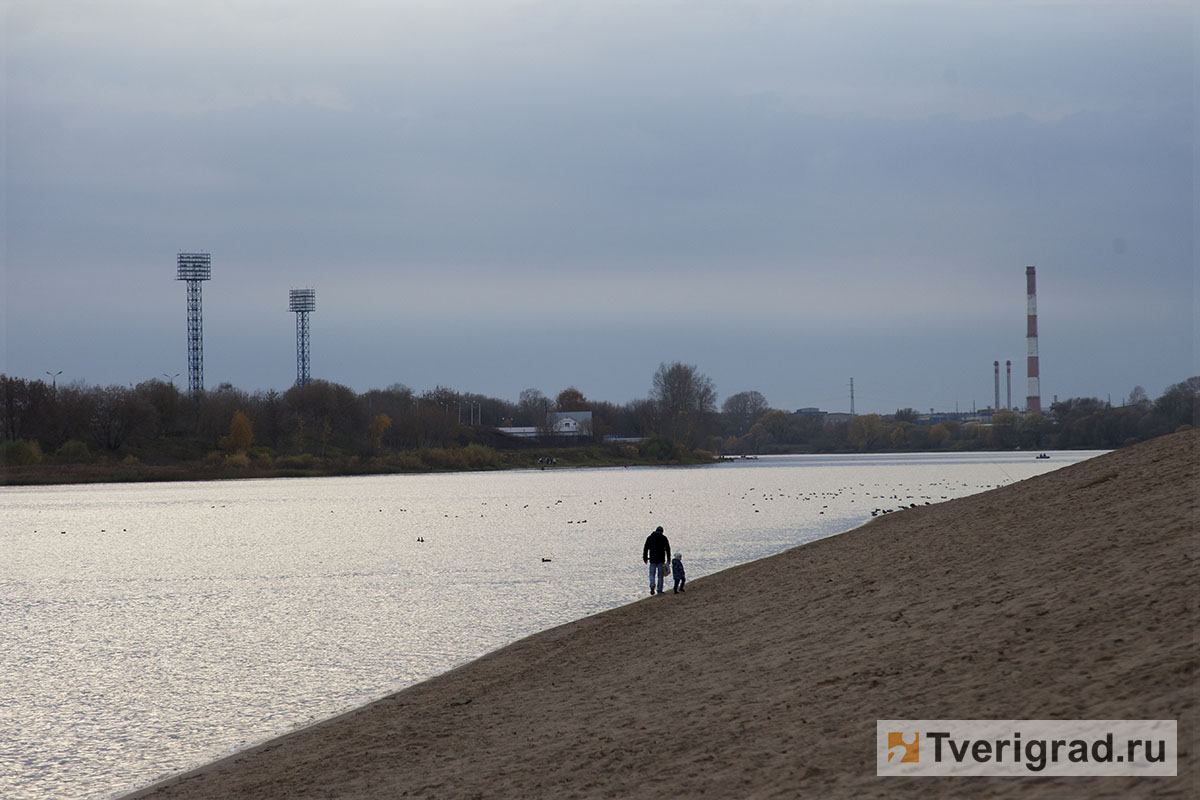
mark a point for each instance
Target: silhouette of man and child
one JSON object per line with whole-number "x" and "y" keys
{"x": 657, "y": 552}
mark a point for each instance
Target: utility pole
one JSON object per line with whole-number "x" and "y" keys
{"x": 852, "y": 397}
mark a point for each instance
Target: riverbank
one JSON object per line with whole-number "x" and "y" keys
{"x": 1070, "y": 595}
{"x": 242, "y": 466}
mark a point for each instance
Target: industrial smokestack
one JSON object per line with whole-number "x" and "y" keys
{"x": 996, "y": 405}
{"x": 1008, "y": 384}
{"x": 1033, "y": 399}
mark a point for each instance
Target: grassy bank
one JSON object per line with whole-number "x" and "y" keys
{"x": 260, "y": 463}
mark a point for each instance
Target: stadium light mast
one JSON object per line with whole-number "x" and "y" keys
{"x": 194, "y": 268}
{"x": 301, "y": 302}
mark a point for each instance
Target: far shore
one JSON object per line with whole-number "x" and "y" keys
{"x": 136, "y": 472}
{"x": 1071, "y": 595}
{"x": 132, "y": 471}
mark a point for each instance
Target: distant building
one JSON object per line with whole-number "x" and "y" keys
{"x": 567, "y": 424}
{"x": 936, "y": 418}
{"x": 570, "y": 423}
{"x": 827, "y": 417}
{"x": 519, "y": 431}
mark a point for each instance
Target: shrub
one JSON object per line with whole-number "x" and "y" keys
{"x": 301, "y": 461}
{"x": 659, "y": 448}
{"x": 441, "y": 458}
{"x": 478, "y": 456}
{"x": 238, "y": 461}
{"x": 20, "y": 453}
{"x": 262, "y": 456}
{"x": 406, "y": 462}
{"x": 73, "y": 452}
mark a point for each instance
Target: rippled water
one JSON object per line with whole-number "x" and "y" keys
{"x": 149, "y": 628}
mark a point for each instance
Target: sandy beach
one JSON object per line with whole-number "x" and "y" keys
{"x": 1067, "y": 596}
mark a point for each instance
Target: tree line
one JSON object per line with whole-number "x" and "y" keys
{"x": 154, "y": 423}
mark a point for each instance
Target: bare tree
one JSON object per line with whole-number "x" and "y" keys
{"x": 743, "y": 409}
{"x": 686, "y": 401}
{"x": 531, "y": 408}
{"x": 118, "y": 415}
{"x": 1138, "y": 399}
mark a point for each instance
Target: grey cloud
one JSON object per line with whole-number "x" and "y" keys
{"x": 864, "y": 169}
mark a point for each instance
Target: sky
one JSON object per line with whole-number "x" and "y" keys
{"x": 493, "y": 196}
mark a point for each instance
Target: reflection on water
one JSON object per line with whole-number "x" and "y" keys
{"x": 149, "y": 628}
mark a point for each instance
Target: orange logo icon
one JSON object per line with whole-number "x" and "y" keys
{"x": 905, "y": 745}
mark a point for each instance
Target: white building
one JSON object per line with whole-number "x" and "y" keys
{"x": 569, "y": 424}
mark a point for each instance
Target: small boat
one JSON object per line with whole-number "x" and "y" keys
{"x": 1042, "y": 455}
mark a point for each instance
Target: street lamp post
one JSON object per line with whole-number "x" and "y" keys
{"x": 171, "y": 378}
{"x": 54, "y": 379}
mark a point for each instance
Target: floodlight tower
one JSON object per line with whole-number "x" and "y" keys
{"x": 194, "y": 268}
{"x": 302, "y": 301}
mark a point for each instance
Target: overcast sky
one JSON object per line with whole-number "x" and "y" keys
{"x": 499, "y": 195}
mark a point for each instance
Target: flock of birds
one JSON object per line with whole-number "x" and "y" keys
{"x": 899, "y": 503}
{"x": 849, "y": 493}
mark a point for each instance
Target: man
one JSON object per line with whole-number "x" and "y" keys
{"x": 656, "y": 552}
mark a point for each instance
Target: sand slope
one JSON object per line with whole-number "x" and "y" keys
{"x": 1071, "y": 595}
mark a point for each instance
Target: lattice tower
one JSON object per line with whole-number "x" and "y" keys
{"x": 194, "y": 268}
{"x": 302, "y": 302}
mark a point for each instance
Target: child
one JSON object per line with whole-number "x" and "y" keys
{"x": 677, "y": 572}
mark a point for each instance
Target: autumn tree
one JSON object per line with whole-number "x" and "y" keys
{"x": 241, "y": 434}
{"x": 379, "y": 425}
{"x": 866, "y": 431}
{"x": 899, "y": 432}
{"x": 571, "y": 399}
{"x": 939, "y": 434}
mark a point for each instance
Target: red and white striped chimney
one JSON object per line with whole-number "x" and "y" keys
{"x": 1033, "y": 400}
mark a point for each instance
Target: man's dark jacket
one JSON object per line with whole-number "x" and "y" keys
{"x": 657, "y": 548}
